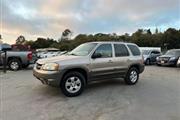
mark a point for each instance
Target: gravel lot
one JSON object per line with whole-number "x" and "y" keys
{"x": 155, "y": 97}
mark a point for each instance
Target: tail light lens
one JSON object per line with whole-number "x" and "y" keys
{"x": 29, "y": 56}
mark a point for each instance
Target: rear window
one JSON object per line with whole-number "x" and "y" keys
{"x": 134, "y": 50}
{"x": 155, "y": 52}
{"x": 120, "y": 50}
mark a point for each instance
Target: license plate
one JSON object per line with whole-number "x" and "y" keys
{"x": 162, "y": 61}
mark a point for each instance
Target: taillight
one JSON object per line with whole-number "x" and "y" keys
{"x": 29, "y": 56}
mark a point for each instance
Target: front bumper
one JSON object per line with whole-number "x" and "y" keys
{"x": 178, "y": 62}
{"x": 167, "y": 63}
{"x": 52, "y": 78}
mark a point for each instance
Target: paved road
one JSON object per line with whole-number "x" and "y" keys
{"x": 155, "y": 97}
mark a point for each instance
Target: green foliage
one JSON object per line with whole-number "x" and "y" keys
{"x": 144, "y": 38}
{"x": 20, "y": 40}
{"x": 66, "y": 35}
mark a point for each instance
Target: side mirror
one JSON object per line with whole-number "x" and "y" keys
{"x": 96, "y": 55}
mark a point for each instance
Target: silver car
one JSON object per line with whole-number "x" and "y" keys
{"x": 88, "y": 62}
{"x": 150, "y": 56}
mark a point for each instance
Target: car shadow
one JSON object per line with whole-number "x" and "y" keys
{"x": 105, "y": 83}
{"x": 49, "y": 91}
{"x": 22, "y": 69}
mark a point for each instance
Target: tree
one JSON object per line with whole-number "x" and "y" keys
{"x": 149, "y": 32}
{"x": 1, "y": 39}
{"x": 66, "y": 35}
{"x": 20, "y": 40}
{"x": 156, "y": 31}
{"x": 171, "y": 38}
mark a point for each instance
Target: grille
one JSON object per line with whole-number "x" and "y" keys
{"x": 165, "y": 59}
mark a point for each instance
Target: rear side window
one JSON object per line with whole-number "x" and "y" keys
{"x": 134, "y": 50}
{"x": 120, "y": 50}
{"x": 155, "y": 52}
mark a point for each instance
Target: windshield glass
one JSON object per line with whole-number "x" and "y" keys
{"x": 178, "y": 53}
{"x": 83, "y": 50}
{"x": 170, "y": 52}
{"x": 145, "y": 52}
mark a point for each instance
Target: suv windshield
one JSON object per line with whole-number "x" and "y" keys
{"x": 83, "y": 50}
{"x": 145, "y": 52}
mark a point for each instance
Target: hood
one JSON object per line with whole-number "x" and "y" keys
{"x": 167, "y": 56}
{"x": 57, "y": 59}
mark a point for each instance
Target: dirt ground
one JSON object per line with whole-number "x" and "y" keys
{"x": 155, "y": 97}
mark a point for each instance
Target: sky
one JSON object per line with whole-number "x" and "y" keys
{"x": 49, "y": 18}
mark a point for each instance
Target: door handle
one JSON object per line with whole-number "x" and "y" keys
{"x": 110, "y": 61}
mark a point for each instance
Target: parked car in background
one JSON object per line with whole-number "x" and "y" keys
{"x": 16, "y": 59}
{"x": 91, "y": 61}
{"x": 170, "y": 58}
{"x": 178, "y": 62}
{"x": 49, "y": 54}
{"x": 150, "y": 56}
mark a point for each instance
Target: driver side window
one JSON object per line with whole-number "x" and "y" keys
{"x": 105, "y": 50}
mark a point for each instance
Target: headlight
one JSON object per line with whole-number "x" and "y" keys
{"x": 51, "y": 67}
{"x": 178, "y": 61}
{"x": 157, "y": 58}
{"x": 172, "y": 58}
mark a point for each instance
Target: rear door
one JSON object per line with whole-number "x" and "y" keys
{"x": 121, "y": 58}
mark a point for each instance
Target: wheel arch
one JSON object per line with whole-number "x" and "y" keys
{"x": 137, "y": 66}
{"x": 14, "y": 57}
{"x": 78, "y": 69}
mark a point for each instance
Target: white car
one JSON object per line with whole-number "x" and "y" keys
{"x": 51, "y": 54}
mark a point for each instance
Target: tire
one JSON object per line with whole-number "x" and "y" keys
{"x": 14, "y": 64}
{"x": 72, "y": 84}
{"x": 132, "y": 76}
{"x": 158, "y": 64}
{"x": 148, "y": 62}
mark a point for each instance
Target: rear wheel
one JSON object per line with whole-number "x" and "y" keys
{"x": 14, "y": 64}
{"x": 73, "y": 84}
{"x": 148, "y": 62}
{"x": 132, "y": 76}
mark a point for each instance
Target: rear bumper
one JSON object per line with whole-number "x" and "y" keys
{"x": 52, "y": 78}
{"x": 141, "y": 68}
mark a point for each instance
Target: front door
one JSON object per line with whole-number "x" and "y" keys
{"x": 102, "y": 64}
{"x": 154, "y": 55}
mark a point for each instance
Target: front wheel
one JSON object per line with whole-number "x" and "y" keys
{"x": 132, "y": 76}
{"x": 73, "y": 84}
{"x": 148, "y": 62}
{"x": 14, "y": 64}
